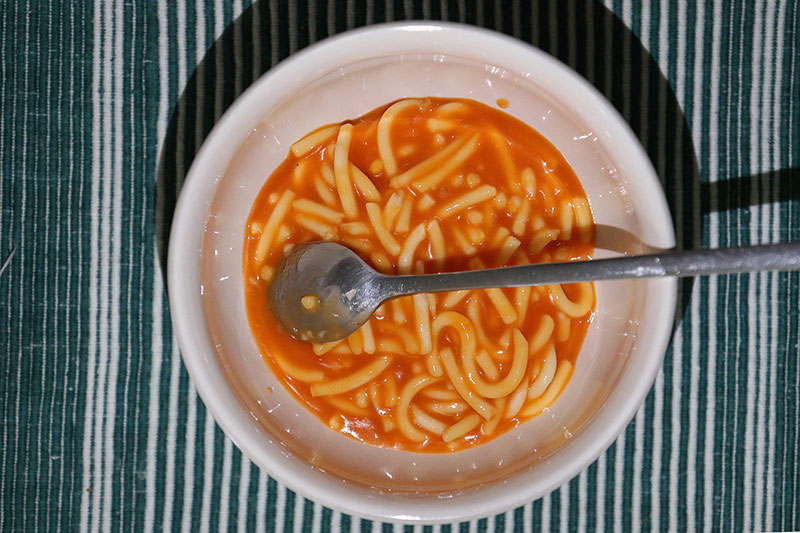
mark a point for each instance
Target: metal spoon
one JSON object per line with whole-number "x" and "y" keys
{"x": 341, "y": 291}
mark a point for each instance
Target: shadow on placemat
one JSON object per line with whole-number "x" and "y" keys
{"x": 594, "y": 42}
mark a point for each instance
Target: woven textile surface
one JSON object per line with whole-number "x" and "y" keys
{"x": 102, "y": 108}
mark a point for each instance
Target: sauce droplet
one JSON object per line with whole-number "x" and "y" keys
{"x": 502, "y": 103}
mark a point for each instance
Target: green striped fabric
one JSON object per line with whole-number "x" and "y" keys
{"x": 102, "y": 108}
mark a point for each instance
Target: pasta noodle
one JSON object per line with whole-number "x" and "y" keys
{"x": 318, "y": 210}
{"x": 463, "y": 243}
{"x": 410, "y": 245}
{"x": 448, "y": 408}
{"x": 583, "y": 219}
{"x": 355, "y": 228}
{"x": 433, "y": 163}
{"x": 423, "y": 321}
{"x": 271, "y": 227}
{"x": 461, "y": 428}
{"x": 409, "y": 391}
{"x": 392, "y": 208}
{"x": 446, "y": 185}
{"x": 353, "y": 381}
{"x": 326, "y": 231}
{"x": 503, "y": 306}
{"x": 541, "y": 239}
{"x": 324, "y": 193}
{"x": 506, "y": 385}
{"x": 443, "y": 170}
{"x": 542, "y": 334}
{"x": 571, "y": 308}
{"x": 341, "y": 171}
{"x": 467, "y": 200}
{"x": 426, "y": 202}
{"x": 313, "y": 140}
{"x": 565, "y": 219}
{"x": 384, "y": 134}
{"x": 508, "y": 248}
{"x": 452, "y": 299}
{"x": 381, "y": 231}
{"x": 365, "y": 187}
{"x": 427, "y": 422}
{"x": 510, "y": 170}
{"x": 528, "y": 179}
{"x": 404, "y": 217}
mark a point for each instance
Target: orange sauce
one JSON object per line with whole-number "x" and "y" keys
{"x": 369, "y": 412}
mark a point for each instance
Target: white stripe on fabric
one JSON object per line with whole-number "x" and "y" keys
{"x": 225, "y": 485}
{"x": 89, "y": 474}
{"x": 299, "y": 503}
{"x": 316, "y": 519}
{"x": 105, "y": 274}
{"x": 639, "y": 421}
{"x": 86, "y": 496}
{"x": 208, "y": 473}
{"x": 765, "y": 345}
{"x": 131, "y": 401}
{"x": 619, "y": 476}
{"x": 563, "y": 514}
{"x": 677, "y": 343}
{"x": 172, "y": 426}
{"x": 189, "y": 463}
{"x": 638, "y": 452}
{"x": 544, "y": 518}
{"x": 777, "y": 151}
{"x": 113, "y": 352}
{"x": 156, "y": 339}
{"x": 713, "y": 176}
{"x": 527, "y": 518}
{"x": 681, "y": 84}
{"x": 754, "y": 353}
{"x": 582, "y": 500}
{"x": 175, "y": 363}
{"x": 600, "y": 514}
{"x": 106, "y": 181}
{"x": 189, "y": 460}
{"x": 280, "y": 507}
{"x": 694, "y": 348}
{"x": 735, "y": 126}
{"x": 261, "y": 502}
{"x": 244, "y": 490}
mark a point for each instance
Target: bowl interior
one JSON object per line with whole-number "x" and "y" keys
{"x": 623, "y": 347}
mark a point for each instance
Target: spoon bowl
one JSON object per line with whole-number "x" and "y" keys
{"x": 322, "y": 292}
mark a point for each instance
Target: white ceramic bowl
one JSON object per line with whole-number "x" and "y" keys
{"x": 342, "y": 78}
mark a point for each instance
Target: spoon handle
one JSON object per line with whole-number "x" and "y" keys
{"x": 784, "y": 256}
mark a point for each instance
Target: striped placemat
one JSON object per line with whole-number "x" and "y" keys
{"x": 102, "y": 108}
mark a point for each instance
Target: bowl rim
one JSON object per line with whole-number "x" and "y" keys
{"x": 196, "y": 347}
